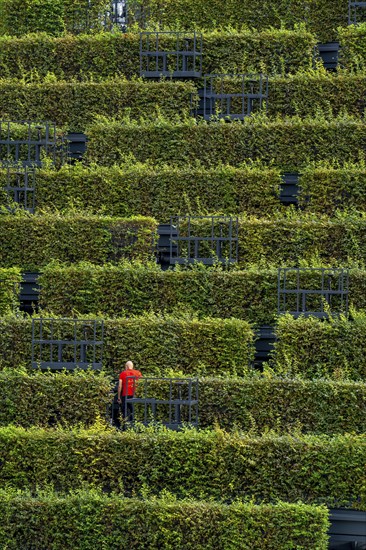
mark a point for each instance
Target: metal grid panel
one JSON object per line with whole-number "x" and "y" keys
{"x": 205, "y": 239}
{"x": 356, "y": 12}
{"x": 20, "y": 188}
{"x": 234, "y": 96}
{"x": 184, "y": 60}
{"x": 313, "y": 291}
{"x": 24, "y": 143}
{"x": 67, "y": 343}
{"x": 176, "y": 406}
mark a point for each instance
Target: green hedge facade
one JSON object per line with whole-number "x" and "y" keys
{"x": 125, "y": 290}
{"x": 191, "y": 464}
{"x": 353, "y": 47}
{"x": 310, "y": 348}
{"x": 75, "y": 104}
{"x": 160, "y": 192}
{"x": 86, "y": 520}
{"x": 9, "y": 290}
{"x": 31, "y": 242}
{"x": 255, "y": 404}
{"x": 110, "y": 54}
{"x": 157, "y": 345}
{"x": 288, "y": 143}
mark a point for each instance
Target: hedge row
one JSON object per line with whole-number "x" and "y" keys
{"x": 353, "y": 47}
{"x": 322, "y": 17}
{"x": 161, "y": 192}
{"x": 141, "y": 189}
{"x": 91, "y": 519}
{"x": 191, "y": 464}
{"x": 30, "y": 242}
{"x": 310, "y": 348}
{"x": 75, "y": 104}
{"x": 131, "y": 290}
{"x": 289, "y": 143}
{"x": 110, "y": 54}
{"x": 9, "y": 289}
{"x": 51, "y": 16}
{"x": 157, "y": 345}
{"x": 255, "y": 404}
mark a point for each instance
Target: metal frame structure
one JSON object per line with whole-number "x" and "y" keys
{"x": 294, "y": 293}
{"x": 219, "y": 102}
{"x": 185, "y": 61}
{"x": 179, "y": 407}
{"x": 224, "y": 232}
{"x": 27, "y": 149}
{"x": 116, "y": 16}
{"x": 354, "y": 10}
{"x": 20, "y": 187}
{"x": 57, "y": 345}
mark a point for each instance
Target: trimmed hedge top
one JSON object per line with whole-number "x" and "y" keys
{"x": 110, "y": 54}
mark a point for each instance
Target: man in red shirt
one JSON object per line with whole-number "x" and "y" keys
{"x": 126, "y": 388}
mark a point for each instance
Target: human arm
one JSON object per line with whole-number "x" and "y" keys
{"x": 119, "y": 391}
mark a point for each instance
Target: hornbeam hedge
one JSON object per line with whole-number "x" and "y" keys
{"x": 157, "y": 345}
{"x": 353, "y": 47}
{"x": 249, "y": 294}
{"x": 255, "y": 404}
{"x": 193, "y": 464}
{"x": 310, "y": 348}
{"x": 9, "y": 290}
{"x": 104, "y": 55}
{"x": 75, "y": 104}
{"x": 156, "y": 191}
{"x": 91, "y": 519}
{"x": 290, "y": 143}
{"x": 30, "y": 242}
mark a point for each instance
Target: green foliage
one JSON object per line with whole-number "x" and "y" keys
{"x": 289, "y": 143}
{"x": 209, "y": 464}
{"x": 55, "y": 17}
{"x": 110, "y": 54}
{"x": 320, "y": 16}
{"x": 310, "y": 348}
{"x": 134, "y": 289}
{"x": 76, "y": 104}
{"x": 141, "y": 189}
{"x": 353, "y": 47}
{"x": 31, "y": 242}
{"x": 252, "y": 403}
{"x": 157, "y": 345}
{"x": 249, "y": 294}
{"x": 90, "y": 519}
{"x": 9, "y": 290}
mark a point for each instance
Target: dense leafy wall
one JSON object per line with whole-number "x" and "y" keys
{"x": 54, "y": 17}
{"x": 111, "y": 54}
{"x": 249, "y": 294}
{"x": 9, "y": 290}
{"x": 94, "y": 519}
{"x": 31, "y": 242}
{"x": 353, "y": 47}
{"x": 157, "y": 345}
{"x": 289, "y": 143}
{"x": 310, "y": 348}
{"x": 75, "y": 104}
{"x": 189, "y": 464}
{"x": 255, "y": 404}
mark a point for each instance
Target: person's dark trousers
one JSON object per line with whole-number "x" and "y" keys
{"x": 127, "y": 408}
{"x": 116, "y": 414}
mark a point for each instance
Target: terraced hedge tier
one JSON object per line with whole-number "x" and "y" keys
{"x": 94, "y": 519}
{"x": 106, "y": 55}
{"x": 257, "y": 404}
{"x": 289, "y": 143}
{"x": 193, "y": 464}
{"x": 326, "y": 187}
{"x": 75, "y": 104}
{"x": 158, "y": 191}
{"x": 158, "y": 345}
{"x": 125, "y": 290}
{"x": 353, "y": 47}
{"x": 310, "y": 348}
{"x": 9, "y": 290}
{"x": 53, "y": 17}
{"x": 321, "y": 16}
{"x": 31, "y": 242}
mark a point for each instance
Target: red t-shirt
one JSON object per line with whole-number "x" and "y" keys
{"x": 130, "y": 390}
